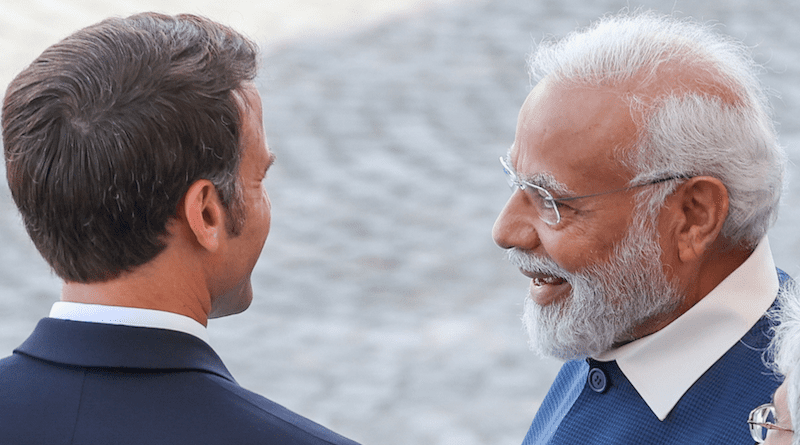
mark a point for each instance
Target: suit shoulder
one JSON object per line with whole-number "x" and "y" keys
{"x": 263, "y": 411}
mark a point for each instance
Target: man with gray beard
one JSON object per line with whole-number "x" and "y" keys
{"x": 646, "y": 172}
{"x": 633, "y": 279}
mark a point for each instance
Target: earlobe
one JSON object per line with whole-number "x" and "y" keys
{"x": 703, "y": 210}
{"x": 204, "y": 214}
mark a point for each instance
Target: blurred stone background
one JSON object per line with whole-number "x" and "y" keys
{"x": 382, "y": 309}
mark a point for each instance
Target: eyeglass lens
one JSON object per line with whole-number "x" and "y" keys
{"x": 761, "y": 415}
{"x": 540, "y": 197}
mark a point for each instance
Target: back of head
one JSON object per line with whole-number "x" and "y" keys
{"x": 105, "y": 131}
{"x": 698, "y": 104}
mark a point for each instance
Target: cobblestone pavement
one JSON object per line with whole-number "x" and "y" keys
{"x": 383, "y": 309}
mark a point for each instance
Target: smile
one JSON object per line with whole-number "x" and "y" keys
{"x": 549, "y": 280}
{"x": 542, "y": 279}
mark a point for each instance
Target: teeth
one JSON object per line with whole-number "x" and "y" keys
{"x": 545, "y": 280}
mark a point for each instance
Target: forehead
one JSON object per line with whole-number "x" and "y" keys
{"x": 253, "y": 140}
{"x": 249, "y": 100}
{"x": 577, "y": 135}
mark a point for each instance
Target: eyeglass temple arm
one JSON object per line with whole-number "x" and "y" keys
{"x": 655, "y": 181}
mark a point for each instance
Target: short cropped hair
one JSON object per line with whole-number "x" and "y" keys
{"x": 693, "y": 128}
{"x": 106, "y": 130}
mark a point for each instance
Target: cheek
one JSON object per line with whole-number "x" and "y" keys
{"x": 266, "y": 217}
{"x": 261, "y": 203}
{"x": 575, "y": 248}
{"x": 259, "y": 210}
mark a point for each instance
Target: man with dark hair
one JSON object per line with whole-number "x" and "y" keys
{"x": 646, "y": 172}
{"x": 135, "y": 153}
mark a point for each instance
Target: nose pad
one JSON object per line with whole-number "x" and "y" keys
{"x": 515, "y": 226}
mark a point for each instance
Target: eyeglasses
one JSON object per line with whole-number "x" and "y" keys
{"x": 761, "y": 420}
{"x": 547, "y": 205}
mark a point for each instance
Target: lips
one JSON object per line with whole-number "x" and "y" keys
{"x": 542, "y": 279}
{"x": 545, "y": 288}
{"x": 553, "y": 281}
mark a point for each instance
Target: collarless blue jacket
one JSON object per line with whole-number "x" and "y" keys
{"x": 593, "y": 402}
{"x": 81, "y": 383}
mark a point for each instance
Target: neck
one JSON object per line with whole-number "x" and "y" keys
{"x": 720, "y": 261}
{"x": 699, "y": 280}
{"x": 150, "y": 286}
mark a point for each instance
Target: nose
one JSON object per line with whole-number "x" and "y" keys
{"x": 516, "y": 225}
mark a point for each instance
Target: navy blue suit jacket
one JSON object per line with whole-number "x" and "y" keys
{"x": 88, "y": 383}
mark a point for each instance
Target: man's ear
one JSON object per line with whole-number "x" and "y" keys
{"x": 702, "y": 207}
{"x": 204, "y": 213}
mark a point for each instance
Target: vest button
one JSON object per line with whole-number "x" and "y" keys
{"x": 597, "y": 380}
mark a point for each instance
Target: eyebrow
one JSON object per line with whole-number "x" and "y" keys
{"x": 544, "y": 180}
{"x": 271, "y": 160}
{"x": 549, "y": 183}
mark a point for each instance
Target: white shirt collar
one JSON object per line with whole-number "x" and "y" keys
{"x": 662, "y": 366}
{"x": 128, "y": 316}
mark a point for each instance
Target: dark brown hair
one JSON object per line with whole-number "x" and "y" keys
{"x": 107, "y": 129}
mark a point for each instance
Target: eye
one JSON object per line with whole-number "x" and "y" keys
{"x": 542, "y": 198}
{"x": 565, "y": 209}
{"x": 547, "y": 201}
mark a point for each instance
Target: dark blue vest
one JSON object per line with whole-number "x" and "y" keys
{"x": 593, "y": 402}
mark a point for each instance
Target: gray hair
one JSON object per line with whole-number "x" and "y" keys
{"x": 698, "y": 103}
{"x": 785, "y": 348}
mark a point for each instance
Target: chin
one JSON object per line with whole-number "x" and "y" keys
{"x": 232, "y": 302}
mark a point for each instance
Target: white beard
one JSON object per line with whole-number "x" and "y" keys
{"x": 607, "y": 300}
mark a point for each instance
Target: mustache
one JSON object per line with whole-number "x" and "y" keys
{"x": 531, "y": 262}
